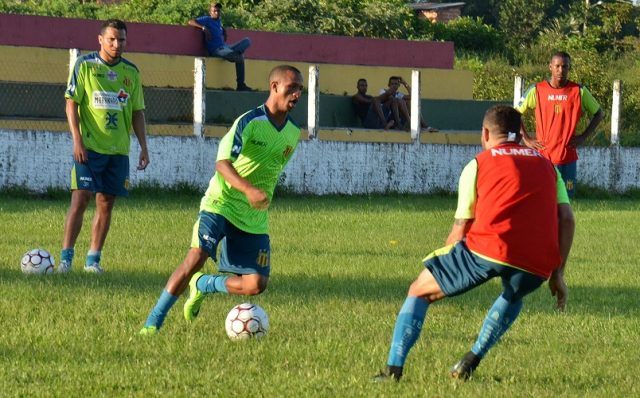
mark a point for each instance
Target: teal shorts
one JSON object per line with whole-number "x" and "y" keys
{"x": 457, "y": 270}
{"x": 102, "y": 173}
{"x": 569, "y": 173}
{"x": 241, "y": 253}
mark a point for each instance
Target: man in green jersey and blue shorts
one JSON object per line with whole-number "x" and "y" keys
{"x": 104, "y": 101}
{"x": 233, "y": 211}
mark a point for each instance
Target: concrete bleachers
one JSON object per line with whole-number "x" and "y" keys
{"x": 168, "y": 76}
{"x": 46, "y": 100}
{"x": 173, "y": 71}
{"x": 169, "y": 63}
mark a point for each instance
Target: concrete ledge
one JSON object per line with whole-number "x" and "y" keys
{"x": 346, "y": 134}
{"x": 451, "y": 137}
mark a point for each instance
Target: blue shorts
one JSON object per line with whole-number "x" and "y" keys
{"x": 372, "y": 121}
{"x": 569, "y": 173}
{"x": 241, "y": 253}
{"x": 457, "y": 270}
{"x": 102, "y": 173}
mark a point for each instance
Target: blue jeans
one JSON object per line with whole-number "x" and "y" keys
{"x": 234, "y": 53}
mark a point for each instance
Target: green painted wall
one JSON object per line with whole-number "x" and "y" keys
{"x": 29, "y": 100}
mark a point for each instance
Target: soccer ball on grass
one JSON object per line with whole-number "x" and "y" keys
{"x": 245, "y": 321}
{"x": 37, "y": 261}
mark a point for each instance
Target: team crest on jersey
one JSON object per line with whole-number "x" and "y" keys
{"x": 123, "y": 97}
{"x": 287, "y": 151}
{"x": 569, "y": 185}
{"x": 127, "y": 82}
{"x": 263, "y": 258}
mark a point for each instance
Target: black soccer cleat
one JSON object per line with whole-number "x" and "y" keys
{"x": 463, "y": 370}
{"x": 389, "y": 374}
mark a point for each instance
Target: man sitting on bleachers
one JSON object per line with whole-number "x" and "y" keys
{"x": 371, "y": 111}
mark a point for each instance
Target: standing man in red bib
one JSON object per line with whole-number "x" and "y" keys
{"x": 559, "y": 104}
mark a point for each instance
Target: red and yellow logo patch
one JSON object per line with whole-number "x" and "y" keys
{"x": 263, "y": 258}
{"x": 287, "y": 151}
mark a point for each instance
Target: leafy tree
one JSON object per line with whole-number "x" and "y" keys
{"x": 155, "y": 11}
{"x": 370, "y": 18}
{"x": 493, "y": 76}
{"x": 469, "y": 34}
{"x": 521, "y": 20}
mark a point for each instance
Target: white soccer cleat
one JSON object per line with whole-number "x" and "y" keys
{"x": 64, "y": 267}
{"x": 94, "y": 268}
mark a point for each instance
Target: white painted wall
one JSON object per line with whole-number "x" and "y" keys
{"x": 38, "y": 160}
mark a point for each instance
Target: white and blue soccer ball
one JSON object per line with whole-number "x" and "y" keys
{"x": 37, "y": 261}
{"x": 246, "y": 321}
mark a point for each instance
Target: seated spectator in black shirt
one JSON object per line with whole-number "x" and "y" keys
{"x": 371, "y": 111}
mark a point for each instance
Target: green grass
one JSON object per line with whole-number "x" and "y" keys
{"x": 337, "y": 283}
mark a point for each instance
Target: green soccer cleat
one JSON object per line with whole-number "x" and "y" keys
{"x": 192, "y": 305}
{"x": 148, "y": 331}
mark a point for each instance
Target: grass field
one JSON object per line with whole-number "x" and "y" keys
{"x": 341, "y": 267}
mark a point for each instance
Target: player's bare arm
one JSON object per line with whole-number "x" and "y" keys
{"x": 459, "y": 230}
{"x": 578, "y": 140}
{"x": 407, "y": 97}
{"x": 361, "y": 99}
{"x": 530, "y": 141}
{"x": 257, "y": 197}
{"x": 140, "y": 130}
{"x": 73, "y": 118}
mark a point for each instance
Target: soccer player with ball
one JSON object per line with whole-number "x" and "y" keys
{"x": 513, "y": 221}
{"x": 233, "y": 211}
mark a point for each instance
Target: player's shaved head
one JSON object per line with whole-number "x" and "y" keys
{"x": 503, "y": 121}
{"x": 280, "y": 71}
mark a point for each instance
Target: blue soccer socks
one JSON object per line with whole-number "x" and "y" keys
{"x": 93, "y": 257}
{"x": 212, "y": 284}
{"x": 497, "y": 322}
{"x": 407, "y": 329}
{"x": 67, "y": 255}
{"x": 162, "y": 307}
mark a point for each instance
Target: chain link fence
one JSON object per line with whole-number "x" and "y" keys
{"x": 32, "y": 90}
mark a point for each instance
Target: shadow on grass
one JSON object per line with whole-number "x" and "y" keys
{"x": 594, "y": 300}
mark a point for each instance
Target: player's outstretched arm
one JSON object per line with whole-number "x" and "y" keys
{"x": 566, "y": 229}
{"x": 140, "y": 129}
{"x": 528, "y": 140}
{"x": 257, "y": 197}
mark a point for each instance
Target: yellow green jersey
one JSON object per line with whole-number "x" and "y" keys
{"x": 107, "y": 95}
{"x": 259, "y": 151}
